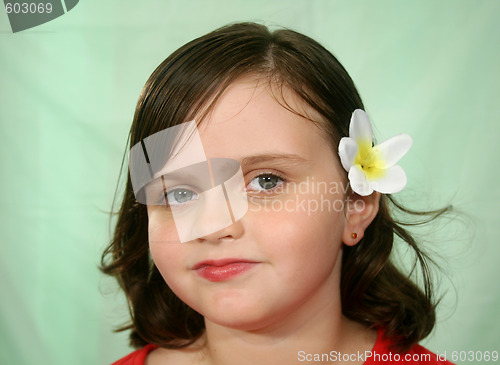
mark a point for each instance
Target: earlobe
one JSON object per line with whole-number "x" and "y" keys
{"x": 361, "y": 210}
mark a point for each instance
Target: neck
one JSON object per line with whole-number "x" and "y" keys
{"x": 227, "y": 346}
{"x": 272, "y": 345}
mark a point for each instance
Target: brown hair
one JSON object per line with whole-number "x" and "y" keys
{"x": 373, "y": 291}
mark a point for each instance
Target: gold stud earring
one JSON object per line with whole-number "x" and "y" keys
{"x": 354, "y": 235}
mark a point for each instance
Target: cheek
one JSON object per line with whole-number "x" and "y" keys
{"x": 170, "y": 260}
{"x": 161, "y": 226}
{"x": 298, "y": 235}
{"x": 166, "y": 251}
{"x": 313, "y": 215}
{"x": 167, "y": 258}
{"x": 303, "y": 252}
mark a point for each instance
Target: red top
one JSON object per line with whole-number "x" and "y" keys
{"x": 137, "y": 357}
{"x": 380, "y": 355}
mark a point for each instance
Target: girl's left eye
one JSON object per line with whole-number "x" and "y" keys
{"x": 265, "y": 182}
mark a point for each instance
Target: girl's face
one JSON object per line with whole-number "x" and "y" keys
{"x": 282, "y": 259}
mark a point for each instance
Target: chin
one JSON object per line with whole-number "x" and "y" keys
{"x": 241, "y": 324}
{"x": 245, "y": 319}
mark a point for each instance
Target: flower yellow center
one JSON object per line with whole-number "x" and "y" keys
{"x": 370, "y": 161}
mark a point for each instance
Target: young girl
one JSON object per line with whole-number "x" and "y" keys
{"x": 254, "y": 227}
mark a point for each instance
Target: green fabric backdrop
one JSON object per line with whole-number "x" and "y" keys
{"x": 68, "y": 90}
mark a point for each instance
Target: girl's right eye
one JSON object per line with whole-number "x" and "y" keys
{"x": 178, "y": 196}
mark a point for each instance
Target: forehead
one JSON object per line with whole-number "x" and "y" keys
{"x": 248, "y": 119}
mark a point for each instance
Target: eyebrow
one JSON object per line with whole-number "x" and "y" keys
{"x": 284, "y": 160}
{"x": 280, "y": 159}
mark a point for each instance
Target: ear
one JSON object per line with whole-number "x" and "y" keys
{"x": 361, "y": 210}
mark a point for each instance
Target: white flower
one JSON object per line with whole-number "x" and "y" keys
{"x": 372, "y": 168}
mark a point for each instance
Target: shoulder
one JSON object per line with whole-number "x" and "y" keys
{"x": 417, "y": 355}
{"x": 137, "y": 357}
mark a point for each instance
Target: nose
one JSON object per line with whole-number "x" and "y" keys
{"x": 218, "y": 209}
{"x": 231, "y": 232}
{"x": 211, "y": 218}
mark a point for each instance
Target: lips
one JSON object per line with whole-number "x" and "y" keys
{"x": 223, "y": 270}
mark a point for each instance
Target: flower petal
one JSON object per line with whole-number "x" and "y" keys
{"x": 358, "y": 181}
{"x": 360, "y": 128}
{"x": 392, "y": 150}
{"x": 348, "y": 149}
{"x": 393, "y": 181}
